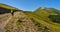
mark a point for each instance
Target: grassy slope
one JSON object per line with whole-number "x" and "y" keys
{"x": 51, "y": 25}
{"x": 8, "y": 7}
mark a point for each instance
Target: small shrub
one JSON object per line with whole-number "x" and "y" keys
{"x": 55, "y": 18}
{"x": 18, "y": 22}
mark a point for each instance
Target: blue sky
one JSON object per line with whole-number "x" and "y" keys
{"x": 31, "y": 5}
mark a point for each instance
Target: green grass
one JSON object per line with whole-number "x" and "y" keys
{"x": 54, "y": 27}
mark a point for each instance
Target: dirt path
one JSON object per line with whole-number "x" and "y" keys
{"x": 4, "y": 23}
{"x": 4, "y": 15}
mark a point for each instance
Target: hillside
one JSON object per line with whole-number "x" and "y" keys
{"x": 41, "y": 20}
{"x": 48, "y": 17}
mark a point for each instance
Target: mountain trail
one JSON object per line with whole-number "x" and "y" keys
{"x": 4, "y": 23}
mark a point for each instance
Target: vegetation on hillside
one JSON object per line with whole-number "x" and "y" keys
{"x": 47, "y": 17}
